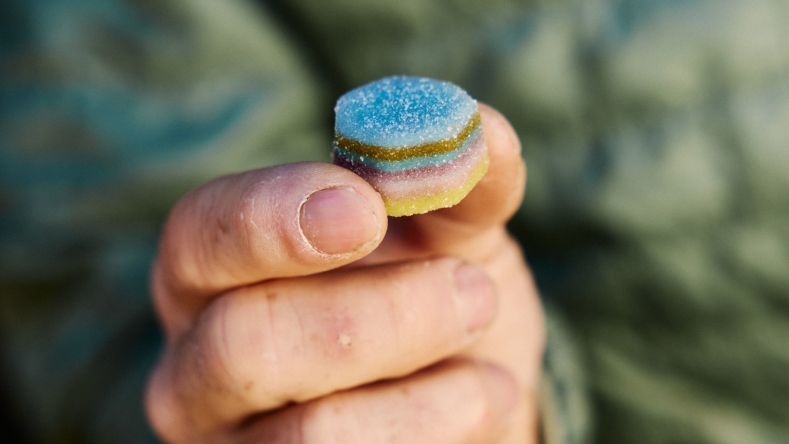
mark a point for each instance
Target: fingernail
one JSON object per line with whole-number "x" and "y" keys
{"x": 475, "y": 296}
{"x": 338, "y": 220}
{"x": 501, "y": 389}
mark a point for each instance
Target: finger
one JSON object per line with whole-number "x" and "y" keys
{"x": 474, "y": 227}
{"x": 461, "y": 402}
{"x": 292, "y": 340}
{"x": 283, "y": 221}
{"x": 498, "y": 195}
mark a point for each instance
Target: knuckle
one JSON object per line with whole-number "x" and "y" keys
{"x": 282, "y": 427}
{"x": 246, "y": 215}
{"x": 153, "y": 411}
{"x": 497, "y": 394}
{"x": 219, "y": 356}
{"x": 482, "y": 420}
{"x": 477, "y": 417}
{"x": 486, "y": 422}
{"x": 241, "y": 356}
{"x": 327, "y": 421}
{"x": 433, "y": 320}
{"x": 266, "y": 224}
{"x": 160, "y": 409}
{"x": 259, "y": 220}
{"x": 175, "y": 246}
{"x": 479, "y": 408}
{"x": 205, "y": 221}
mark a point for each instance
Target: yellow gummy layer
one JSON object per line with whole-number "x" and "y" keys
{"x": 419, "y": 205}
{"x": 425, "y": 149}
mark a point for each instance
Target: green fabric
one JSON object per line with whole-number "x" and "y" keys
{"x": 565, "y": 410}
{"x": 656, "y": 216}
{"x": 109, "y": 111}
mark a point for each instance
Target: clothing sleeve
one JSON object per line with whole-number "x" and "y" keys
{"x": 565, "y": 409}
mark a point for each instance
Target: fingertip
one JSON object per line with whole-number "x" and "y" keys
{"x": 498, "y": 131}
{"x": 499, "y": 193}
{"x": 507, "y": 172}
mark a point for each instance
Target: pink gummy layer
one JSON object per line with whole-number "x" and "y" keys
{"x": 417, "y": 182}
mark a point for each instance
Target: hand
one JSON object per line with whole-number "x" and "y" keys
{"x": 294, "y": 313}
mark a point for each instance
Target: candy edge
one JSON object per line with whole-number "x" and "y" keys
{"x": 405, "y": 207}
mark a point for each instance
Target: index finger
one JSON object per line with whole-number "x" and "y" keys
{"x": 285, "y": 221}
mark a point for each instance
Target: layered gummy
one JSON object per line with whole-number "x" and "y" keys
{"x": 416, "y": 140}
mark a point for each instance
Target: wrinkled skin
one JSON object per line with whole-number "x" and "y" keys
{"x": 294, "y": 312}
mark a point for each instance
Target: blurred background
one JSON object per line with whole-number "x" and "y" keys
{"x": 656, "y": 217}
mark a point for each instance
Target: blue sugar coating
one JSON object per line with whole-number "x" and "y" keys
{"x": 414, "y": 162}
{"x": 402, "y": 111}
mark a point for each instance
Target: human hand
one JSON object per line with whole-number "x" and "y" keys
{"x": 294, "y": 314}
